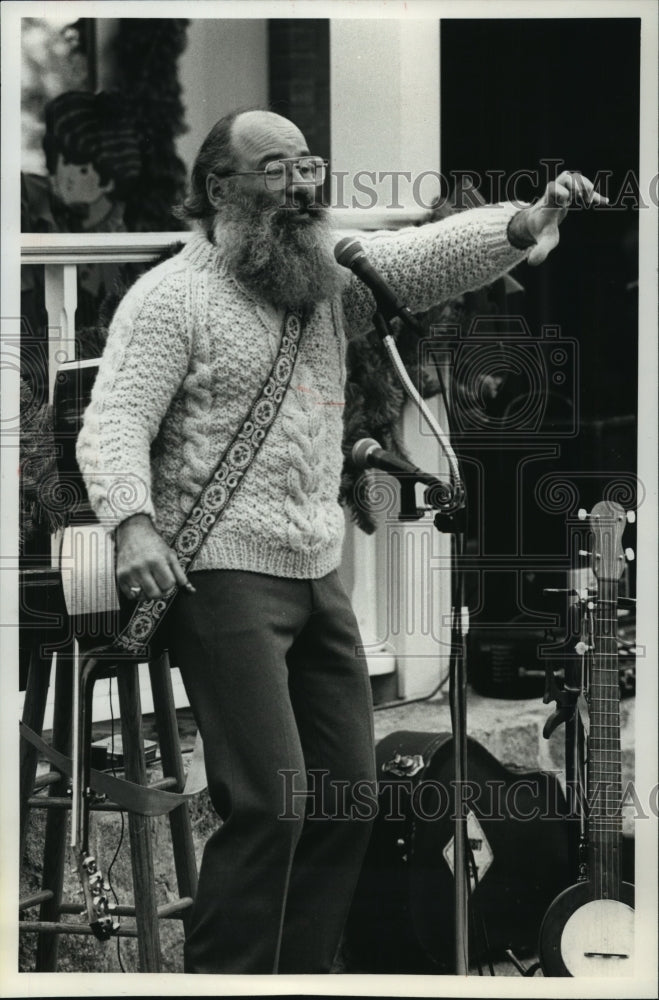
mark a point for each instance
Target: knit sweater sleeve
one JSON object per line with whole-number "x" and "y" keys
{"x": 435, "y": 262}
{"x": 144, "y": 363}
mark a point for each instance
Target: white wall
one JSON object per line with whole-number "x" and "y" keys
{"x": 224, "y": 66}
{"x": 384, "y": 93}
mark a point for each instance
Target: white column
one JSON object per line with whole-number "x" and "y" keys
{"x": 384, "y": 89}
{"x": 423, "y": 640}
{"x": 61, "y": 299}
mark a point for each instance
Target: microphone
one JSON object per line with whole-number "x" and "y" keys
{"x": 350, "y": 253}
{"x": 367, "y": 453}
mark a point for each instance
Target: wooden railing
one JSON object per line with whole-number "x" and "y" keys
{"x": 62, "y": 252}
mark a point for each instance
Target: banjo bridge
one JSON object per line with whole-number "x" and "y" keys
{"x": 605, "y": 954}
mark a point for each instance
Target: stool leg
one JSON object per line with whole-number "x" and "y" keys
{"x": 57, "y": 819}
{"x": 170, "y": 750}
{"x": 146, "y": 915}
{"x": 34, "y": 707}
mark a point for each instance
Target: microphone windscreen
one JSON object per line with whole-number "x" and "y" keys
{"x": 361, "y": 450}
{"x": 348, "y": 250}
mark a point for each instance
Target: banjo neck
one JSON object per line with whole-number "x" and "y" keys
{"x": 604, "y": 784}
{"x": 604, "y": 752}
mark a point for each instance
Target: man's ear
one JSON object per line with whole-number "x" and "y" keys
{"x": 107, "y": 188}
{"x": 215, "y": 190}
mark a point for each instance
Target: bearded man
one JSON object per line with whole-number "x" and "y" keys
{"x": 262, "y": 630}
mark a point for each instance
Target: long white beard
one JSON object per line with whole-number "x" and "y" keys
{"x": 282, "y": 255}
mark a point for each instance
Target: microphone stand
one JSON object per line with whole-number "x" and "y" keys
{"x": 451, "y": 517}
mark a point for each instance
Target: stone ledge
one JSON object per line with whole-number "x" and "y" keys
{"x": 511, "y": 729}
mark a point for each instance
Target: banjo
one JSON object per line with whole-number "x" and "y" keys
{"x": 589, "y": 928}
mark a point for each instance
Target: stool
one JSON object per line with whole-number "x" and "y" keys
{"x": 146, "y": 911}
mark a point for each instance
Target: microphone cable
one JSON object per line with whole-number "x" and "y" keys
{"x": 122, "y": 829}
{"x": 457, "y": 499}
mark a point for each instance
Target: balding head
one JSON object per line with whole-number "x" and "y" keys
{"x": 259, "y": 136}
{"x": 241, "y": 140}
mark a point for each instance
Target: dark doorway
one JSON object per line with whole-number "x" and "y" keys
{"x": 521, "y": 100}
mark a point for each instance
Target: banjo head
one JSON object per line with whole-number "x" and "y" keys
{"x": 598, "y": 939}
{"x": 586, "y": 937}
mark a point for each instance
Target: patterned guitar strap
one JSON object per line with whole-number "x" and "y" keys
{"x": 218, "y": 491}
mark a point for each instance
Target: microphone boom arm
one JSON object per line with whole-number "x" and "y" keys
{"x": 457, "y": 500}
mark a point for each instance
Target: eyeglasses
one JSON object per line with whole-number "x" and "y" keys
{"x": 278, "y": 173}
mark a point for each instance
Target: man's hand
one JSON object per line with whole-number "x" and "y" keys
{"x": 146, "y": 566}
{"x": 540, "y": 222}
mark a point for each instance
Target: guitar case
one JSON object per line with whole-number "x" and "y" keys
{"x": 402, "y": 915}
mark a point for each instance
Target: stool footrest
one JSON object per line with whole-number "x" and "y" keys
{"x": 166, "y": 911}
{"x": 52, "y": 927}
{"x": 64, "y": 802}
{"x": 51, "y": 778}
{"x": 36, "y": 899}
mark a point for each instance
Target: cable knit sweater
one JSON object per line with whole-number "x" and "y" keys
{"x": 187, "y": 352}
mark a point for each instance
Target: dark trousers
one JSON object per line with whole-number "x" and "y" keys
{"x": 283, "y": 704}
